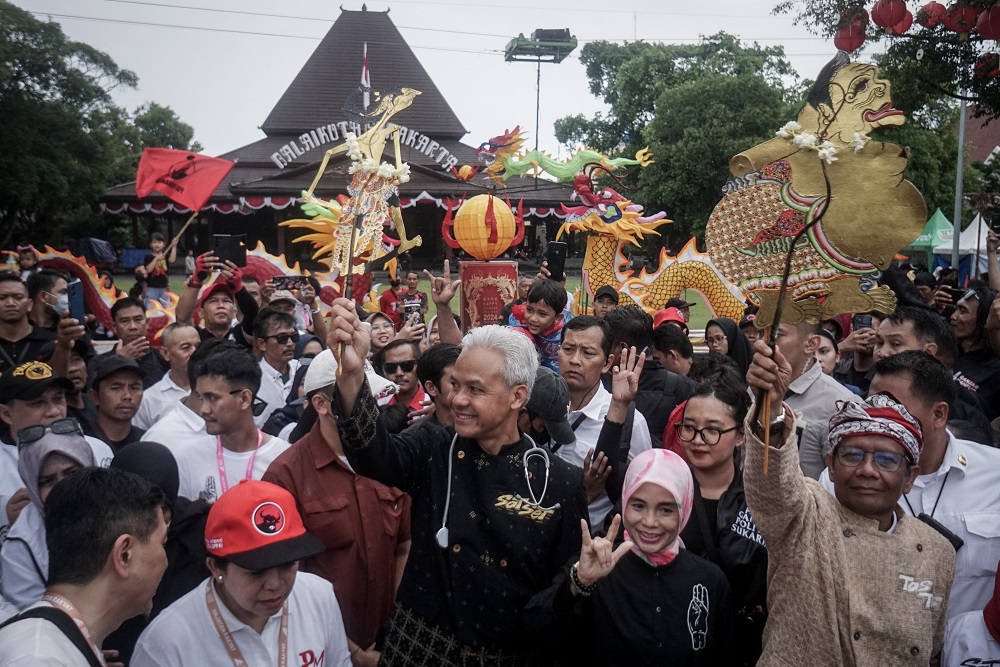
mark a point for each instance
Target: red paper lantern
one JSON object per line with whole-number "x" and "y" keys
{"x": 987, "y": 66}
{"x": 849, "y": 38}
{"x": 903, "y": 25}
{"x": 988, "y": 24}
{"x": 887, "y": 13}
{"x": 961, "y": 18}
{"x": 930, "y": 15}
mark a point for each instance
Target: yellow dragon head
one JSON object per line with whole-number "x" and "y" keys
{"x": 494, "y": 151}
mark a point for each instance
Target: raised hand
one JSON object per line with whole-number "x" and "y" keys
{"x": 597, "y": 555}
{"x": 771, "y": 372}
{"x": 442, "y": 288}
{"x": 625, "y": 375}
{"x": 413, "y": 330}
{"x": 346, "y": 328}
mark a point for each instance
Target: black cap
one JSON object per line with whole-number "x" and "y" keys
{"x": 550, "y": 400}
{"x": 606, "y": 291}
{"x": 104, "y": 365}
{"x": 678, "y": 302}
{"x": 29, "y": 381}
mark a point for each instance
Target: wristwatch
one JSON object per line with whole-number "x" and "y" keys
{"x": 777, "y": 425}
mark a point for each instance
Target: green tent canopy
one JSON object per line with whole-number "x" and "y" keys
{"x": 937, "y": 231}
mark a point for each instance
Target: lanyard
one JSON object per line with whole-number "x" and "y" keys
{"x": 936, "y": 501}
{"x": 72, "y": 612}
{"x": 235, "y": 654}
{"x": 223, "y": 483}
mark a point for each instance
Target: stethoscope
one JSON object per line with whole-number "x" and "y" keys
{"x": 535, "y": 451}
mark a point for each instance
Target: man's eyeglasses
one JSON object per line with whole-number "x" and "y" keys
{"x": 30, "y": 434}
{"x": 710, "y": 436}
{"x": 283, "y": 338}
{"x": 259, "y": 404}
{"x": 391, "y": 367}
{"x": 852, "y": 457}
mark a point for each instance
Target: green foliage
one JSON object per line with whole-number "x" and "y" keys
{"x": 946, "y": 64}
{"x": 698, "y": 127}
{"x": 630, "y": 78}
{"x": 64, "y": 140}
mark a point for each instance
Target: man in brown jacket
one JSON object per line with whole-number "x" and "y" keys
{"x": 852, "y": 579}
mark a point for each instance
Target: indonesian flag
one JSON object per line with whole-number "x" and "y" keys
{"x": 366, "y": 80}
{"x": 185, "y": 177}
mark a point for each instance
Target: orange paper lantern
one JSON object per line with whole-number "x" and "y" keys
{"x": 485, "y": 227}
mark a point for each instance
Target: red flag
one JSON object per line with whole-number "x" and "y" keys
{"x": 187, "y": 178}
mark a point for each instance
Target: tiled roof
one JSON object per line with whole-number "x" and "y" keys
{"x": 981, "y": 136}
{"x": 333, "y": 73}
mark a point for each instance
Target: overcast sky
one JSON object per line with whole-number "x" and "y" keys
{"x": 221, "y": 68}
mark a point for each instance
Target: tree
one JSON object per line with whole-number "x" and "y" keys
{"x": 64, "y": 140}
{"x": 698, "y": 127}
{"x": 944, "y": 60}
{"x": 630, "y": 77}
{"x": 696, "y": 105}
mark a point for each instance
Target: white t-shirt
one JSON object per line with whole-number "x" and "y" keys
{"x": 184, "y": 634}
{"x": 587, "y": 433}
{"x": 179, "y": 427}
{"x": 157, "y": 401}
{"x": 36, "y": 642}
{"x": 198, "y": 466}
{"x": 967, "y": 641}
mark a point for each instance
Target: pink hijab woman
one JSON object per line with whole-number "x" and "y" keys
{"x": 650, "y": 576}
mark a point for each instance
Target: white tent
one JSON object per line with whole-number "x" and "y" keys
{"x": 971, "y": 240}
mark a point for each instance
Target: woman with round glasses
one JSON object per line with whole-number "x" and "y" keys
{"x": 46, "y": 454}
{"x": 721, "y": 528}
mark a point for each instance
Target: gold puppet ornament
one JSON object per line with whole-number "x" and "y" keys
{"x": 812, "y": 215}
{"x": 349, "y": 235}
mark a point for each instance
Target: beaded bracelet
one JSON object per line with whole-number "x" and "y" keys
{"x": 585, "y": 591}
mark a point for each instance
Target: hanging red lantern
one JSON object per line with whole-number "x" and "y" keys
{"x": 903, "y": 25}
{"x": 988, "y": 24}
{"x": 930, "y": 15}
{"x": 887, "y": 13}
{"x": 987, "y": 66}
{"x": 849, "y": 38}
{"x": 961, "y": 18}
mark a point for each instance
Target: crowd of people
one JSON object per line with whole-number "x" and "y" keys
{"x": 273, "y": 480}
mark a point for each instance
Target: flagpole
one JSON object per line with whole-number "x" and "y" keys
{"x": 181, "y": 233}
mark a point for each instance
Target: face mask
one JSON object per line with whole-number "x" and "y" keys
{"x": 62, "y": 303}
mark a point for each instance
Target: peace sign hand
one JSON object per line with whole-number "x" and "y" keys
{"x": 597, "y": 555}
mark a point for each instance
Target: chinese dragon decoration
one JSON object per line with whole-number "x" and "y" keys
{"x": 612, "y": 221}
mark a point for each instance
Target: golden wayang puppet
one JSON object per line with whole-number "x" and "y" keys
{"x": 821, "y": 166}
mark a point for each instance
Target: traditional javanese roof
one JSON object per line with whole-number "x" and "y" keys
{"x": 310, "y": 118}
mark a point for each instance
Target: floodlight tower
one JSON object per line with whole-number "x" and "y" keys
{"x": 544, "y": 46}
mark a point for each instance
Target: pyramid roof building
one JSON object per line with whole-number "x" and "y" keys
{"x": 312, "y": 116}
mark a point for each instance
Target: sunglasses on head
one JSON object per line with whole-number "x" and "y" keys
{"x": 391, "y": 367}
{"x": 30, "y": 434}
{"x": 283, "y": 338}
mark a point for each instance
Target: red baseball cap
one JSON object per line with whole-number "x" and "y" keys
{"x": 257, "y": 526}
{"x": 217, "y": 286}
{"x": 670, "y": 315}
